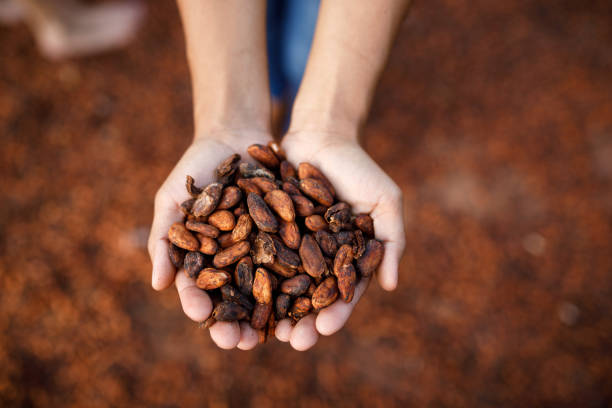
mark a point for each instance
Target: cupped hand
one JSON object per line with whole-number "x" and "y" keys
{"x": 198, "y": 161}
{"x": 360, "y": 182}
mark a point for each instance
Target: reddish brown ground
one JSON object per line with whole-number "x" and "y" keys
{"x": 495, "y": 119}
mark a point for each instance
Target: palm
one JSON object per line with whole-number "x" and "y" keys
{"x": 199, "y": 161}
{"x": 360, "y": 182}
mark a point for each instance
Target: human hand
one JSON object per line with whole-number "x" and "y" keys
{"x": 199, "y": 161}
{"x": 360, "y": 182}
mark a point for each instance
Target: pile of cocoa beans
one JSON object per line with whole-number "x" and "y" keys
{"x": 267, "y": 241}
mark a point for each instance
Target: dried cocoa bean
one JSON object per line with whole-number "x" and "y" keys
{"x": 282, "y": 306}
{"x": 296, "y": 286}
{"x": 231, "y": 294}
{"x": 338, "y": 216}
{"x": 248, "y": 170}
{"x": 261, "y": 214}
{"x": 191, "y": 188}
{"x": 301, "y": 307}
{"x": 344, "y": 257}
{"x": 222, "y": 219}
{"x": 315, "y": 223}
{"x": 248, "y": 186}
{"x": 243, "y": 228}
{"x": 207, "y": 201}
{"x": 227, "y": 168}
{"x": 240, "y": 209}
{"x": 229, "y": 312}
{"x": 290, "y": 234}
{"x": 311, "y": 290}
{"x": 311, "y": 256}
{"x": 273, "y": 281}
{"x": 261, "y": 313}
{"x": 208, "y": 245}
{"x": 284, "y": 255}
{"x": 263, "y": 249}
{"x": 225, "y": 240}
{"x": 243, "y": 275}
{"x": 326, "y": 242}
{"x": 231, "y": 255}
{"x": 303, "y": 206}
{"x": 371, "y": 258}
{"x": 182, "y": 238}
{"x": 347, "y": 280}
{"x": 277, "y": 149}
{"x": 291, "y": 188}
{"x": 281, "y": 203}
{"x": 262, "y": 287}
{"x": 230, "y": 197}
{"x": 358, "y": 244}
{"x": 344, "y": 237}
{"x": 187, "y": 205}
{"x": 211, "y": 278}
{"x": 287, "y": 170}
{"x": 265, "y": 184}
{"x": 325, "y": 294}
{"x": 307, "y": 170}
{"x": 281, "y": 270}
{"x": 202, "y": 228}
{"x": 365, "y": 223}
{"x": 264, "y": 155}
{"x": 177, "y": 255}
{"x": 316, "y": 190}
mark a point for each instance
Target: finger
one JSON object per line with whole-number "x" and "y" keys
{"x": 332, "y": 318}
{"x": 166, "y": 213}
{"x": 248, "y": 337}
{"x": 304, "y": 335}
{"x": 283, "y": 330}
{"x": 226, "y": 335}
{"x": 196, "y": 303}
{"x": 389, "y": 227}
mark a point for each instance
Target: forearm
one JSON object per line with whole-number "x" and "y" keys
{"x": 226, "y": 50}
{"x": 350, "y": 48}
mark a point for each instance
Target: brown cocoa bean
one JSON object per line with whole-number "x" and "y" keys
{"x": 208, "y": 323}
{"x": 277, "y": 149}
{"x": 207, "y": 201}
{"x": 231, "y": 294}
{"x": 177, "y": 255}
{"x": 311, "y": 256}
{"x": 182, "y": 238}
{"x": 263, "y": 249}
{"x": 338, "y": 216}
{"x": 307, "y": 170}
{"x": 319, "y": 210}
{"x": 261, "y": 313}
{"x": 326, "y": 242}
{"x": 281, "y": 203}
{"x": 248, "y": 186}
{"x": 287, "y": 170}
{"x": 281, "y": 270}
{"x": 344, "y": 257}
{"x": 365, "y": 223}
{"x": 273, "y": 281}
{"x": 282, "y": 306}
{"x": 300, "y": 308}
{"x": 290, "y": 234}
{"x": 230, "y": 197}
{"x": 227, "y": 168}
{"x": 264, "y": 155}
{"x": 191, "y": 188}
{"x": 347, "y": 280}
{"x": 284, "y": 255}
{"x": 271, "y": 327}
{"x": 315, "y": 223}
{"x": 240, "y": 209}
{"x": 265, "y": 184}
{"x": 261, "y": 214}
{"x": 311, "y": 290}
{"x": 222, "y": 219}
{"x": 229, "y": 312}
{"x": 243, "y": 275}
{"x": 208, "y": 245}
{"x": 296, "y": 286}
{"x": 187, "y": 205}
{"x": 303, "y": 206}
{"x": 344, "y": 237}
{"x": 243, "y": 228}
{"x": 211, "y": 278}
{"x": 358, "y": 244}
{"x": 291, "y": 188}
{"x": 316, "y": 190}
{"x": 202, "y": 228}
{"x": 371, "y": 258}
{"x": 225, "y": 240}
{"x": 248, "y": 170}
{"x": 231, "y": 255}
{"x": 325, "y": 294}
{"x": 262, "y": 287}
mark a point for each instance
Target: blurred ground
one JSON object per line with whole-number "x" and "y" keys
{"x": 496, "y": 120}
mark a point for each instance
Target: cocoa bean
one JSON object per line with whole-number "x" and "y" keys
{"x": 365, "y": 223}
{"x": 291, "y": 188}
{"x": 281, "y": 203}
{"x": 271, "y": 326}
{"x": 344, "y": 257}
{"x": 282, "y": 306}
{"x": 191, "y": 188}
{"x": 338, "y": 216}
{"x": 284, "y": 255}
{"x": 311, "y": 290}
{"x": 229, "y": 312}
{"x": 202, "y": 228}
{"x": 263, "y": 249}
{"x": 290, "y": 234}
{"x": 231, "y": 294}
{"x": 347, "y": 280}
{"x": 371, "y": 258}
{"x": 177, "y": 255}
{"x": 315, "y": 223}
{"x": 296, "y": 286}
{"x": 261, "y": 313}
{"x": 265, "y": 184}
{"x": 231, "y": 255}
{"x": 344, "y": 237}
{"x": 187, "y": 205}
{"x": 325, "y": 294}
{"x": 281, "y": 270}
{"x": 243, "y": 228}
{"x": 211, "y": 278}
{"x": 243, "y": 275}
{"x": 207, "y": 201}
{"x": 326, "y": 242}
{"x": 358, "y": 244}
{"x": 227, "y": 168}
{"x": 316, "y": 190}
{"x": 225, "y": 240}
{"x": 261, "y": 214}
{"x": 248, "y": 170}
{"x": 208, "y": 245}
{"x": 222, "y": 219}
{"x": 287, "y": 170}
{"x": 303, "y": 206}
{"x": 277, "y": 149}
{"x": 240, "y": 209}
{"x": 182, "y": 238}
{"x": 273, "y": 281}
{"x": 300, "y": 308}
{"x": 307, "y": 170}
{"x": 262, "y": 287}
{"x": 208, "y": 323}
{"x": 248, "y": 186}
{"x": 230, "y": 197}
{"x": 264, "y": 155}
{"x": 311, "y": 256}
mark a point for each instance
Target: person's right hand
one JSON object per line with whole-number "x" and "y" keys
{"x": 198, "y": 161}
